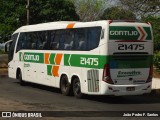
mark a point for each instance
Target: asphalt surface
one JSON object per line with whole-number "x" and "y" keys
{"x": 32, "y": 97}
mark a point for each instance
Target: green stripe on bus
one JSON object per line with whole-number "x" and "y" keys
{"x": 20, "y": 56}
{"x": 49, "y": 70}
{"x": 51, "y": 59}
{"x": 87, "y": 61}
{"x": 66, "y": 59}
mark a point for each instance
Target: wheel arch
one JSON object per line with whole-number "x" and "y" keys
{"x": 18, "y": 71}
{"x": 70, "y": 79}
{"x": 63, "y": 74}
{"x": 73, "y": 77}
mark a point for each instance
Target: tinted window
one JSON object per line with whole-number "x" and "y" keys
{"x": 42, "y": 42}
{"x": 53, "y": 41}
{"x": 80, "y": 42}
{"x": 59, "y": 40}
{"x": 69, "y": 39}
{"x": 22, "y": 42}
{"x": 80, "y": 39}
{"x": 93, "y": 37}
{"x": 33, "y": 41}
{"x": 12, "y": 46}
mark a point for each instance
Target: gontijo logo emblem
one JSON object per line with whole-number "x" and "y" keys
{"x": 31, "y": 57}
{"x": 129, "y": 33}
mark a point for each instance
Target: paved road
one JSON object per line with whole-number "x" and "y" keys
{"x": 14, "y": 97}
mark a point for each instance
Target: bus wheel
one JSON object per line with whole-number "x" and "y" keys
{"x": 65, "y": 85}
{"x": 77, "y": 88}
{"x": 20, "y": 78}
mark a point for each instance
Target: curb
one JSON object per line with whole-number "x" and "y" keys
{"x": 156, "y": 86}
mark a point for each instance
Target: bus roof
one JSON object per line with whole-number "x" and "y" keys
{"x": 63, "y": 25}
{"x": 53, "y": 25}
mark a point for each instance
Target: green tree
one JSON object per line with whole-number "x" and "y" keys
{"x": 90, "y": 10}
{"x": 142, "y": 7}
{"x": 154, "y": 20}
{"x": 52, "y": 10}
{"x": 118, "y": 13}
{"x": 11, "y": 17}
{"x": 13, "y": 13}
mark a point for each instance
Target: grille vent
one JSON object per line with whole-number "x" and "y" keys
{"x": 93, "y": 80}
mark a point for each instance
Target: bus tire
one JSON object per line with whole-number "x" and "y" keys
{"x": 22, "y": 83}
{"x": 77, "y": 88}
{"x": 65, "y": 85}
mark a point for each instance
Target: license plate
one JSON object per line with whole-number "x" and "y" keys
{"x": 130, "y": 88}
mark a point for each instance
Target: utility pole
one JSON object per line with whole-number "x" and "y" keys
{"x": 27, "y": 7}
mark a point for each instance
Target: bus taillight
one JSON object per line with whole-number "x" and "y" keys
{"x": 150, "y": 74}
{"x": 106, "y": 74}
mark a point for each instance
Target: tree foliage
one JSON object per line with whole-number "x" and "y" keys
{"x": 13, "y": 13}
{"x": 90, "y": 10}
{"x": 52, "y": 10}
{"x": 154, "y": 20}
{"x": 142, "y": 7}
{"x": 11, "y": 16}
{"x": 118, "y": 13}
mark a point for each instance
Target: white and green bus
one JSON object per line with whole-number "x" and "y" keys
{"x": 96, "y": 58}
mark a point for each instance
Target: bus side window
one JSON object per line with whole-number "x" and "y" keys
{"x": 33, "y": 40}
{"x": 46, "y": 40}
{"x": 42, "y": 40}
{"x": 59, "y": 40}
{"x": 53, "y": 43}
{"x": 29, "y": 41}
{"x": 12, "y": 47}
{"x": 69, "y": 38}
{"x": 75, "y": 41}
{"x": 93, "y": 37}
{"x": 81, "y": 39}
{"x": 83, "y": 44}
{"x": 21, "y": 42}
{"x": 39, "y": 43}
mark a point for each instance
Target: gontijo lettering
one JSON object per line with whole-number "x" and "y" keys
{"x": 128, "y": 33}
{"x": 31, "y": 57}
